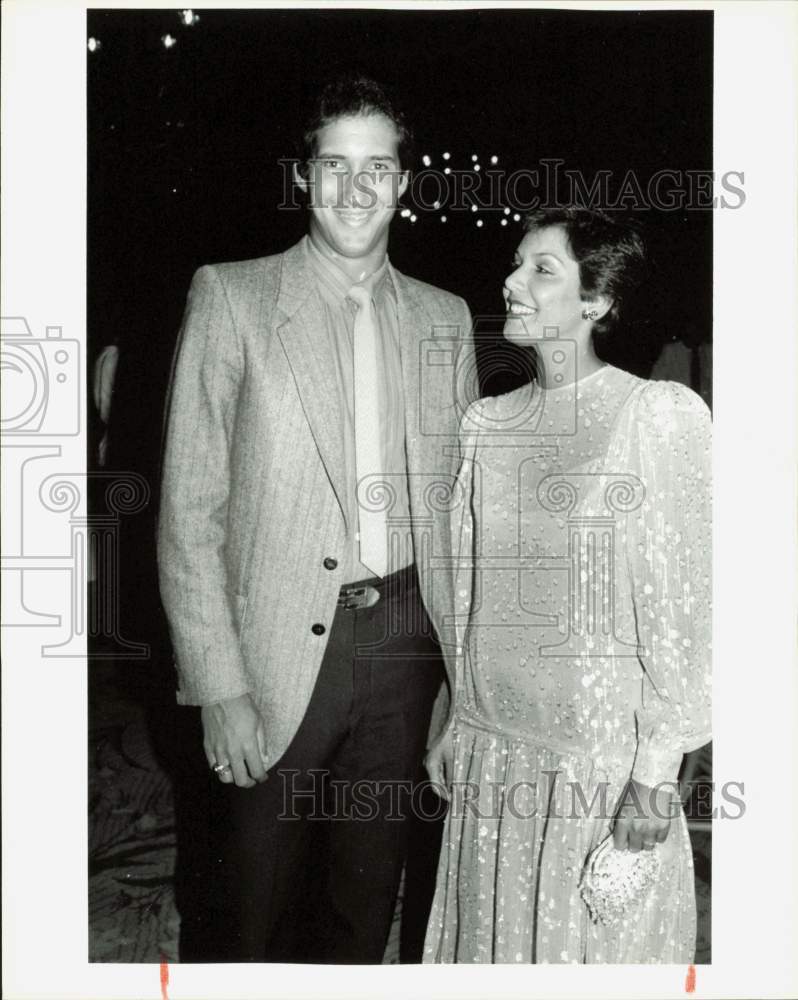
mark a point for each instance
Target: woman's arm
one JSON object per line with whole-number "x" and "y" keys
{"x": 669, "y": 546}
{"x": 439, "y": 759}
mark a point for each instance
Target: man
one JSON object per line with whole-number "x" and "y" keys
{"x": 309, "y": 387}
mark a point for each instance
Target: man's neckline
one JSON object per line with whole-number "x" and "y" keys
{"x": 332, "y": 262}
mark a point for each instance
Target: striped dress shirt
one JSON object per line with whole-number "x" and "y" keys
{"x": 339, "y": 311}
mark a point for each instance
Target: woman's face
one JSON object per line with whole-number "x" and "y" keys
{"x": 542, "y": 292}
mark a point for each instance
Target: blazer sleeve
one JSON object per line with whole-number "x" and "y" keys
{"x": 670, "y": 557}
{"x": 466, "y": 390}
{"x": 467, "y": 381}
{"x": 194, "y": 497}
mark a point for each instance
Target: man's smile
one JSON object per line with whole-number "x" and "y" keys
{"x": 354, "y": 218}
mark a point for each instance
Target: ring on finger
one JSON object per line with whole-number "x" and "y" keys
{"x": 220, "y": 768}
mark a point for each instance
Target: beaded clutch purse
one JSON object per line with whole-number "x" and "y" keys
{"x": 613, "y": 880}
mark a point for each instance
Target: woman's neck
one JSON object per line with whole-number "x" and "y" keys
{"x": 564, "y": 363}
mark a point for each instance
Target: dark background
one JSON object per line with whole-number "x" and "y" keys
{"x": 184, "y": 144}
{"x": 183, "y": 151}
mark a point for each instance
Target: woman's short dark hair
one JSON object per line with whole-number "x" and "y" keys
{"x": 348, "y": 95}
{"x": 610, "y": 253}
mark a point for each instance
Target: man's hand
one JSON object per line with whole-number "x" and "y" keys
{"x": 643, "y": 818}
{"x": 234, "y": 735}
{"x": 439, "y": 764}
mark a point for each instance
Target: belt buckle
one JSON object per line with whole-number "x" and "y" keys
{"x": 355, "y": 598}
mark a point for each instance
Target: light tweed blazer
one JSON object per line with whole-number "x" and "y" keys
{"x": 252, "y": 495}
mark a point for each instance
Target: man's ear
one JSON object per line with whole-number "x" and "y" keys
{"x": 401, "y": 187}
{"x": 301, "y": 182}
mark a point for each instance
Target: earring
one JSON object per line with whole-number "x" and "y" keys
{"x": 589, "y": 313}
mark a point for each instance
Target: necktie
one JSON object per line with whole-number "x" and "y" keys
{"x": 369, "y": 466}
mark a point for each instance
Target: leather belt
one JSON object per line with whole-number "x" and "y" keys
{"x": 367, "y": 593}
{"x": 362, "y": 596}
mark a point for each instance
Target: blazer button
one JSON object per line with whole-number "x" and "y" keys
{"x": 318, "y": 629}
{"x": 330, "y": 563}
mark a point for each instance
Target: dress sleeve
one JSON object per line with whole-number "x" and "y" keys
{"x": 670, "y": 564}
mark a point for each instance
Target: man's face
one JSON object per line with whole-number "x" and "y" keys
{"x": 354, "y": 183}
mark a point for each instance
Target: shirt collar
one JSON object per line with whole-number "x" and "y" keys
{"x": 335, "y": 284}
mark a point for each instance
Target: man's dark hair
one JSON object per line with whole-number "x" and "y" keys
{"x": 349, "y": 95}
{"x": 610, "y": 253}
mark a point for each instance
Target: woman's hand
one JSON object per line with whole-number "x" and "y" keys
{"x": 643, "y": 818}
{"x": 439, "y": 763}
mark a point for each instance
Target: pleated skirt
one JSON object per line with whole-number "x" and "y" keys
{"x": 522, "y": 819}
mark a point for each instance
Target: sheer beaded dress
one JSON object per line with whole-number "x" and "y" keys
{"x": 583, "y": 617}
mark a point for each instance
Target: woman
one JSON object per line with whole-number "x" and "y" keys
{"x": 584, "y": 627}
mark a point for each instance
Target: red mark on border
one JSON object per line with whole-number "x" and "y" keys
{"x": 689, "y": 983}
{"x": 165, "y": 978}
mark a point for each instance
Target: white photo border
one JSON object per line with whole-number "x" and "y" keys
{"x": 755, "y": 883}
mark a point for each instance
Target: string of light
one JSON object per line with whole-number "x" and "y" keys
{"x": 476, "y": 213}
{"x": 187, "y": 17}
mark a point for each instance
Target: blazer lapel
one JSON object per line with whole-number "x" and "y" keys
{"x": 428, "y": 369}
{"x": 412, "y": 321}
{"x": 300, "y": 327}
{"x": 429, "y": 450}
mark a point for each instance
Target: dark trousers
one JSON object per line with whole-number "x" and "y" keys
{"x": 308, "y": 863}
